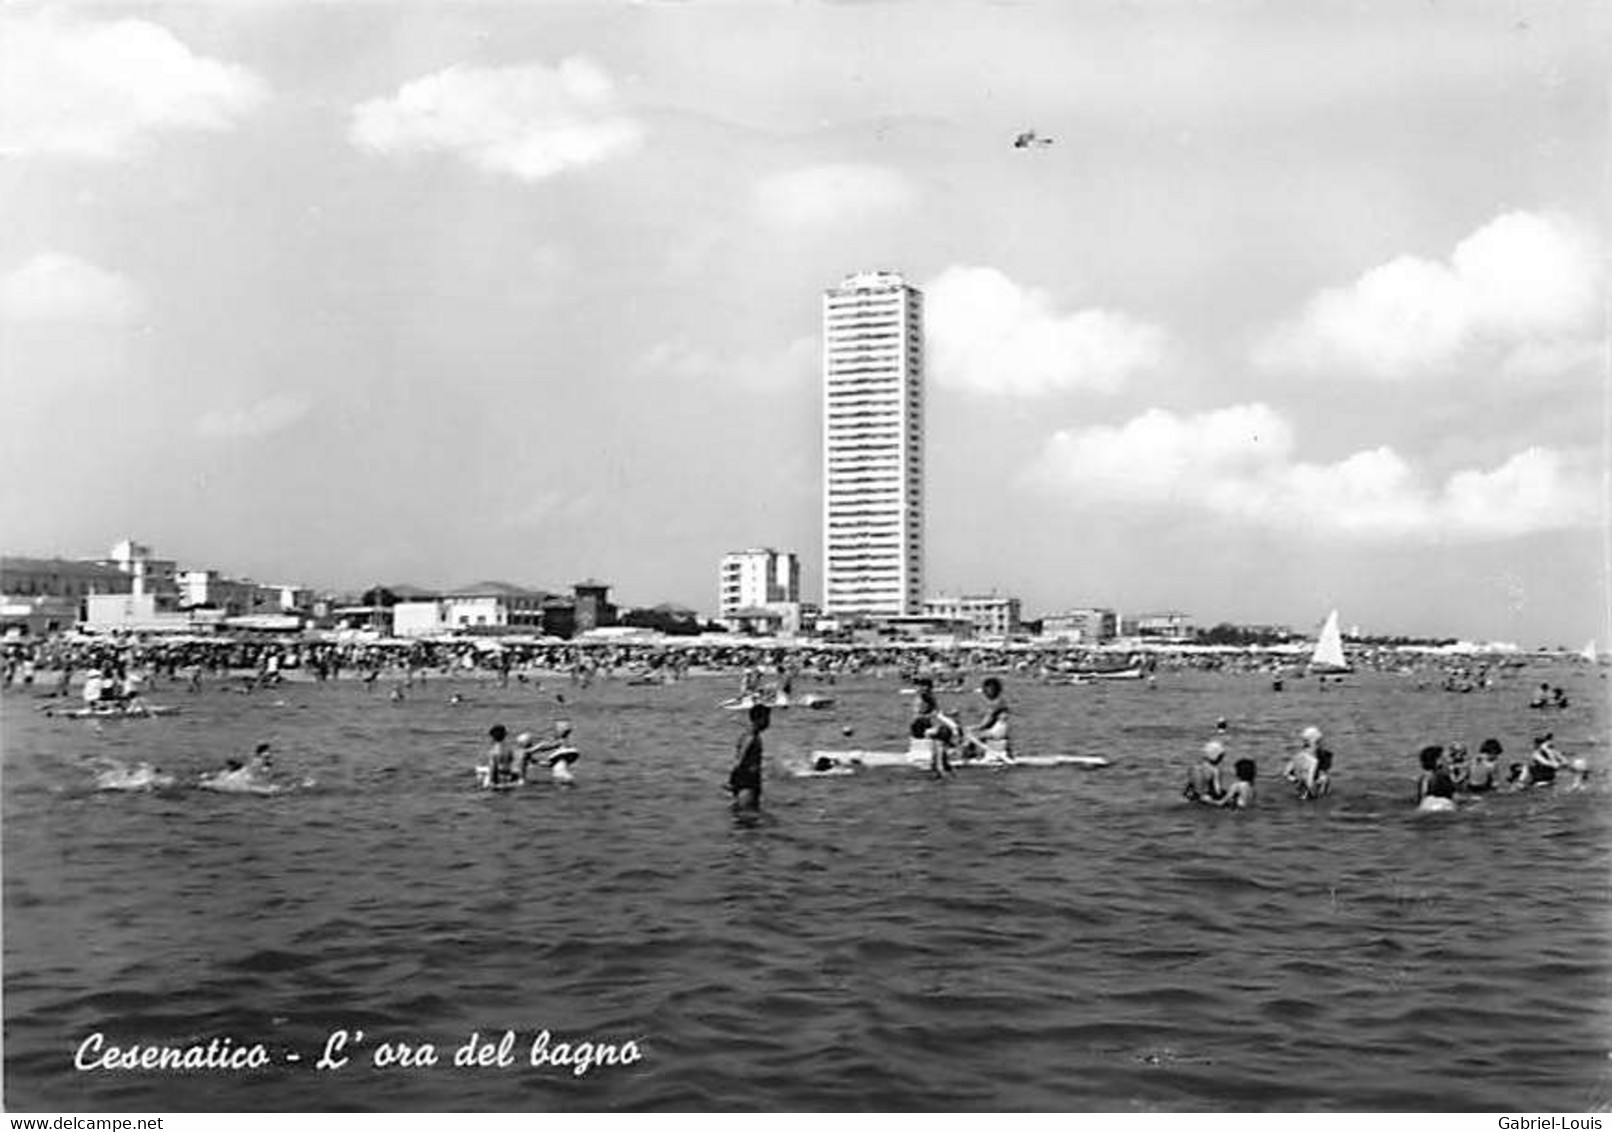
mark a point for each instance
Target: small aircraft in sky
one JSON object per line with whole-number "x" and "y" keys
{"x": 1030, "y": 138}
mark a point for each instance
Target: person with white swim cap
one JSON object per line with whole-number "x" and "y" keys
{"x": 1203, "y": 780}
{"x": 1310, "y": 769}
{"x": 557, "y": 753}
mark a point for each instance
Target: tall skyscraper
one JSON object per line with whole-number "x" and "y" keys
{"x": 873, "y": 439}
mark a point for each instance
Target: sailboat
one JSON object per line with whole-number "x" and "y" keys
{"x": 1588, "y": 652}
{"x": 1328, "y": 657}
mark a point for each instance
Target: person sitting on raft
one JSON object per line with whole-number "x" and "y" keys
{"x": 991, "y": 736}
{"x": 1241, "y": 794}
{"x": 1203, "y": 780}
{"x": 929, "y": 723}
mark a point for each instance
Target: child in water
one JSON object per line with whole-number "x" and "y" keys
{"x": 744, "y": 781}
{"x": 1241, "y": 794}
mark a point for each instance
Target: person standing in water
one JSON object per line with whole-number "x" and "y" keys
{"x": 1241, "y": 794}
{"x": 1305, "y": 770}
{"x": 1480, "y": 780}
{"x": 500, "y": 759}
{"x": 744, "y": 781}
{"x": 1203, "y": 780}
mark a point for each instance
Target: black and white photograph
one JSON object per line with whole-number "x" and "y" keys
{"x": 806, "y": 556}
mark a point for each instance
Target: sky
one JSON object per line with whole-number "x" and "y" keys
{"x": 1303, "y": 307}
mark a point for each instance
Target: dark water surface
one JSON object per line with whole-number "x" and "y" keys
{"x": 1020, "y": 939}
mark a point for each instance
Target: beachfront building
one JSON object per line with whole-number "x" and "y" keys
{"x": 46, "y": 595}
{"x": 487, "y": 607}
{"x": 146, "y": 613}
{"x": 1081, "y": 626}
{"x": 757, "y": 577}
{"x": 591, "y": 601}
{"x": 1172, "y": 626}
{"x": 237, "y": 597}
{"x": 872, "y": 447}
{"x": 988, "y": 614}
{"x": 148, "y": 573}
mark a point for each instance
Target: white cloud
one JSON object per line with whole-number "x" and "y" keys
{"x": 53, "y": 287}
{"x": 528, "y": 122}
{"x": 89, "y": 90}
{"x": 1524, "y": 285}
{"x": 777, "y": 369}
{"x": 987, "y": 334}
{"x": 1237, "y": 463}
{"x": 267, "y": 416}
{"x": 829, "y": 194}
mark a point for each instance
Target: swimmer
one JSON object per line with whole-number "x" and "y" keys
{"x": 1460, "y": 772}
{"x": 744, "y": 781}
{"x": 1435, "y": 780}
{"x": 262, "y": 761}
{"x": 1546, "y": 761}
{"x": 560, "y": 754}
{"x": 1480, "y": 779}
{"x": 1203, "y": 780}
{"x": 1241, "y": 794}
{"x": 1304, "y": 768}
{"x": 500, "y": 759}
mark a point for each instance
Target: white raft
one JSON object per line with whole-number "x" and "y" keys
{"x": 920, "y": 755}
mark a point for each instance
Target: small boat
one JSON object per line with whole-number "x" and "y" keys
{"x": 1588, "y": 652}
{"x": 1328, "y": 657}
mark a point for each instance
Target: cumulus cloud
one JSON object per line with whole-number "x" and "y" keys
{"x": 90, "y": 89}
{"x": 775, "y": 369}
{"x": 828, "y": 194}
{"x": 267, "y": 416}
{"x": 529, "y": 122}
{"x": 988, "y": 334}
{"x": 1525, "y": 288}
{"x": 53, "y": 287}
{"x": 1238, "y": 463}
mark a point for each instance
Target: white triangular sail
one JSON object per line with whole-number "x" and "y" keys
{"x": 1588, "y": 652}
{"x": 1328, "y": 656}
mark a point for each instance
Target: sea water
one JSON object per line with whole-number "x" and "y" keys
{"x": 1023, "y": 939}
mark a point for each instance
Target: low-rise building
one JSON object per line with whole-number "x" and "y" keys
{"x": 1171, "y": 626}
{"x": 990, "y": 614}
{"x": 1081, "y": 626}
{"x": 146, "y": 613}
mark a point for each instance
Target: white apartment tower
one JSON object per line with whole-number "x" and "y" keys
{"x": 873, "y": 411}
{"x": 757, "y": 578}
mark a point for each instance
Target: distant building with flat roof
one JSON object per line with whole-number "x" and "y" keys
{"x": 1081, "y": 626}
{"x": 990, "y": 615}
